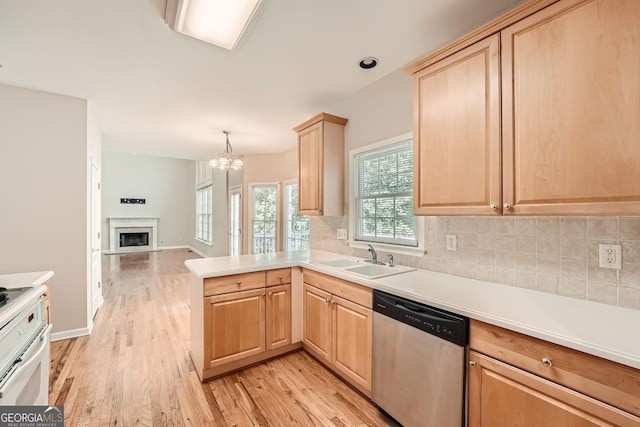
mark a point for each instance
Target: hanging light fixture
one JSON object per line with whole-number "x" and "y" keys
{"x": 226, "y": 160}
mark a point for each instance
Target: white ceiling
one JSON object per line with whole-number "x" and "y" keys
{"x": 158, "y": 92}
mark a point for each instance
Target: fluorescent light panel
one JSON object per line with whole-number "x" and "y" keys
{"x": 219, "y": 22}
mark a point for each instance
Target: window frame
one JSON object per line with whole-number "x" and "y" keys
{"x": 204, "y": 186}
{"x": 278, "y": 231}
{"x": 353, "y": 208}
{"x": 285, "y": 216}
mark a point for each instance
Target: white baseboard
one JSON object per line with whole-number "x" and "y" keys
{"x": 72, "y": 333}
{"x": 202, "y": 254}
{"x": 164, "y": 248}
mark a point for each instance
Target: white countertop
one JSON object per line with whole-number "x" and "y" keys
{"x": 33, "y": 280}
{"x": 594, "y": 328}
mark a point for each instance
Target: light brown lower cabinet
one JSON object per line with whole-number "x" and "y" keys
{"x": 503, "y": 395}
{"x": 278, "y": 317}
{"x": 340, "y": 333}
{"x": 236, "y": 326}
{"x": 242, "y": 327}
{"x": 518, "y": 380}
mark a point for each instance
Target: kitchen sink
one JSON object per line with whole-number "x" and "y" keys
{"x": 362, "y": 268}
{"x": 339, "y": 263}
{"x": 373, "y": 271}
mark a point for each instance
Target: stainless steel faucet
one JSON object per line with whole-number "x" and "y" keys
{"x": 374, "y": 256}
{"x": 390, "y": 256}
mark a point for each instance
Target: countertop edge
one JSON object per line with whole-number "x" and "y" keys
{"x": 593, "y": 348}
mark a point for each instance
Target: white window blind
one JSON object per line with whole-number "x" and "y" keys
{"x": 384, "y": 195}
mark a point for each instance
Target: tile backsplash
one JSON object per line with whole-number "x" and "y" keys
{"x": 550, "y": 254}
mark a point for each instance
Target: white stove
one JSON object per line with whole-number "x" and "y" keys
{"x": 24, "y": 347}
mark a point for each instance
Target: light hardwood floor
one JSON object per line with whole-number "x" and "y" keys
{"x": 135, "y": 369}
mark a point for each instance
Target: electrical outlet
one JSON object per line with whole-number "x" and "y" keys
{"x": 342, "y": 234}
{"x": 452, "y": 242}
{"x": 611, "y": 256}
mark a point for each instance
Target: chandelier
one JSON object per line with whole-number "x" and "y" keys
{"x": 226, "y": 160}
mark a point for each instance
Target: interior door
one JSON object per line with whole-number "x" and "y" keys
{"x": 235, "y": 220}
{"x": 96, "y": 263}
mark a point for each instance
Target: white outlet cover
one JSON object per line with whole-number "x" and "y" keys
{"x": 341, "y": 234}
{"x": 452, "y": 242}
{"x": 610, "y": 256}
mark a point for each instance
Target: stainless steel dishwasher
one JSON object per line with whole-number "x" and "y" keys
{"x": 419, "y": 355}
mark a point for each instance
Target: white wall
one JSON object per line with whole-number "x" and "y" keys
{"x": 165, "y": 183}
{"x": 43, "y": 195}
{"x": 204, "y": 174}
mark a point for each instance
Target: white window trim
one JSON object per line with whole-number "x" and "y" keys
{"x": 385, "y": 247}
{"x": 207, "y": 183}
{"x": 278, "y": 214}
{"x": 236, "y": 189}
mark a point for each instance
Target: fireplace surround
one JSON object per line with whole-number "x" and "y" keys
{"x": 133, "y": 234}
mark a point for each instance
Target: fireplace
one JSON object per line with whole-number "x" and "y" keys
{"x": 134, "y": 239}
{"x": 133, "y": 234}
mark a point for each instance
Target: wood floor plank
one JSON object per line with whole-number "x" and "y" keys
{"x": 135, "y": 368}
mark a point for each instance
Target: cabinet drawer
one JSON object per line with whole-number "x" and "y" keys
{"x": 281, "y": 276}
{"x": 347, "y": 290}
{"x": 610, "y": 382}
{"x": 233, "y": 283}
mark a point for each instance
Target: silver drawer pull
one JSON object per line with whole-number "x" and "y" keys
{"x": 472, "y": 363}
{"x": 547, "y": 362}
{"x": 493, "y": 206}
{"x": 239, "y": 282}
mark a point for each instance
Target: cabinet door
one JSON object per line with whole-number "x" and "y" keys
{"x": 316, "y": 325}
{"x": 234, "y": 326}
{"x": 278, "y": 316}
{"x": 571, "y": 84}
{"x": 501, "y": 395}
{"x": 457, "y": 133}
{"x": 310, "y": 167}
{"x": 352, "y": 341}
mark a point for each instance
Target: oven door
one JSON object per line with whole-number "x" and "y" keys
{"x": 28, "y": 381}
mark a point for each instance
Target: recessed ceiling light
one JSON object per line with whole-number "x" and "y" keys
{"x": 368, "y": 62}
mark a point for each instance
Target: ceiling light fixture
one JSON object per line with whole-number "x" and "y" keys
{"x": 368, "y": 62}
{"x": 219, "y": 22}
{"x": 227, "y": 160}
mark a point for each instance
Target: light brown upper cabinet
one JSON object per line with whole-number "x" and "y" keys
{"x": 568, "y": 134}
{"x": 321, "y": 165}
{"x": 457, "y": 133}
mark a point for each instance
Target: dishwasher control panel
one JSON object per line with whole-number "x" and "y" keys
{"x": 444, "y": 324}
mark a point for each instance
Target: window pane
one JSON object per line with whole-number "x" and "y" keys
{"x": 204, "y": 226}
{"x": 264, "y": 221}
{"x": 297, "y": 228}
{"x": 384, "y": 200}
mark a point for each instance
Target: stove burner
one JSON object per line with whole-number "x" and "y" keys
{"x": 10, "y": 296}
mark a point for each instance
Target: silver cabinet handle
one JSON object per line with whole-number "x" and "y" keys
{"x": 507, "y": 206}
{"x": 327, "y": 301}
{"x": 493, "y": 206}
{"x": 547, "y": 362}
{"x": 239, "y": 282}
{"x": 472, "y": 363}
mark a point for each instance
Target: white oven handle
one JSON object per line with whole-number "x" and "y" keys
{"x": 44, "y": 339}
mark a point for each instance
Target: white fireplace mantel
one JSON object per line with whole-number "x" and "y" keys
{"x": 128, "y": 223}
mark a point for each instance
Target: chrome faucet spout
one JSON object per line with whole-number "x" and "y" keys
{"x": 374, "y": 256}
